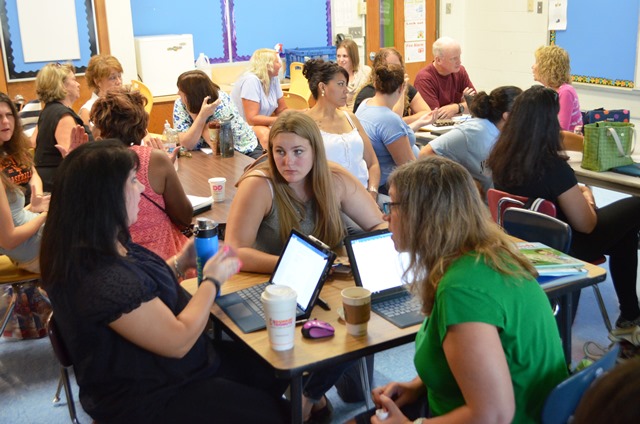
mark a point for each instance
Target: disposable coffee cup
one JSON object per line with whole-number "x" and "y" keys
{"x": 217, "y": 185}
{"x": 279, "y": 303}
{"x": 356, "y": 303}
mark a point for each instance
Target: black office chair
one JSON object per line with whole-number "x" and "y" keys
{"x": 60, "y": 349}
{"x": 537, "y": 227}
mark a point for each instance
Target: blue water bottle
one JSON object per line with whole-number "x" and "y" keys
{"x": 206, "y": 240}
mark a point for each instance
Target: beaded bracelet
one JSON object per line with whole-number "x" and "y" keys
{"x": 176, "y": 268}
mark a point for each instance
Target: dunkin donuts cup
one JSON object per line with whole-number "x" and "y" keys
{"x": 279, "y": 303}
{"x": 356, "y": 302}
{"x": 217, "y": 188}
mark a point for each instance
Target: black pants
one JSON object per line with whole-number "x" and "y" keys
{"x": 244, "y": 390}
{"x": 255, "y": 153}
{"x": 616, "y": 235}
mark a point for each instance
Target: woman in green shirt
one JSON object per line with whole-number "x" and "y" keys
{"x": 489, "y": 351}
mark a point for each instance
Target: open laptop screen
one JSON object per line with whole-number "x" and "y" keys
{"x": 300, "y": 267}
{"x": 376, "y": 263}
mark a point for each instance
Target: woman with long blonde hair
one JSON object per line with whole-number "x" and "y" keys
{"x": 257, "y": 93}
{"x": 295, "y": 188}
{"x": 482, "y": 302}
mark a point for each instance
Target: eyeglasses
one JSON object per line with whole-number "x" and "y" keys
{"x": 386, "y": 207}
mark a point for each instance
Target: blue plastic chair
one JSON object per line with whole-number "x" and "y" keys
{"x": 565, "y": 397}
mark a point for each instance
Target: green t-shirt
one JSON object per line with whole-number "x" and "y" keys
{"x": 470, "y": 291}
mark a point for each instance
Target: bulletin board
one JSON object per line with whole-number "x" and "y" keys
{"x": 602, "y": 41}
{"x": 231, "y": 30}
{"x": 293, "y": 23}
{"x": 206, "y": 20}
{"x": 21, "y": 21}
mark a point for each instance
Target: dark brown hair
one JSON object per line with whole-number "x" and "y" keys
{"x": 388, "y": 78}
{"x": 18, "y": 145}
{"x": 317, "y": 71}
{"x": 196, "y": 85}
{"x": 120, "y": 114}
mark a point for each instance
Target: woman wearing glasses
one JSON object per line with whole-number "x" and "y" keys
{"x": 527, "y": 160}
{"x": 490, "y": 349}
{"x": 58, "y": 89}
{"x": 103, "y": 73}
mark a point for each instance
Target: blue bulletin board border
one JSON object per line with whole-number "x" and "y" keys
{"x": 15, "y": 66}
{"x": 266, "y": 31}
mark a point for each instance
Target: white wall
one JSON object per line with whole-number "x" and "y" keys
{"x": 498, "y": 40}
{"x": 120, "y": 27}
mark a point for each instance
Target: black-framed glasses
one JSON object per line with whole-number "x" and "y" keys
{"x": 386, "y": 207}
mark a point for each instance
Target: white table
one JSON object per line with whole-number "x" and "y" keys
{"x": 610, "y": 180}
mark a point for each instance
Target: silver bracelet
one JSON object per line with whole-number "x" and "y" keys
{"x": 176, "y": 268}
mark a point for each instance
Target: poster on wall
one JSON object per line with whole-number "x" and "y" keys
{"x": 34, "y": 15}
{"x": 415, "y": 29}
{"x": 557, "y": 15}
{"x": 415, "y": 51}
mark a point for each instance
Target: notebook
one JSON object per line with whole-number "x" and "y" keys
{"x": 303, "y": 265}
{"x": 377, "y": 266}
{"x": 633, "y": 169}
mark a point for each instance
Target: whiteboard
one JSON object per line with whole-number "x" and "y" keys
{"x": 60, "y": 44}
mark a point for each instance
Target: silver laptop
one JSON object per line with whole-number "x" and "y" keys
{"x": 377, "y": 266}
{"x": 303, "y": 265}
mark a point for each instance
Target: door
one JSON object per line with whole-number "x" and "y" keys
{"x": 385, "y": 28}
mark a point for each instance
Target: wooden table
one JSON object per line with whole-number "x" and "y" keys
{"x": 313, "y": 355}
{"x": 610, "y": 180}
{"x": 194, "y": 173}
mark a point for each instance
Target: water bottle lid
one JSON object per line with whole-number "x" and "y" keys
{"x": 205, "y": 228}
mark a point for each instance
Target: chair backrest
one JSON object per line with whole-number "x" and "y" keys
{"x": 565, "y": 397}
{"x": 537, "y": 227}
{"x": 144, "y": 90}
{"x": 299, "y": 84}
{"x": 499, "y": 201}
{"x": 59, "y": 347}
{"x": 295, "y": 101}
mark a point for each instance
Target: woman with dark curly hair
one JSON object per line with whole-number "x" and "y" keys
{"x": 164, "y": 208}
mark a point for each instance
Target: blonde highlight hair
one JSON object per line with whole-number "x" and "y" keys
{"x": 459, "y": 224}
{"x": 328, "y": 221}
{"x": 100, "y": 67}
{"x": 553, "y": 65}
{"x": 50, "y": 81}
{"x": 352, "y": 51}
{"x": 261, "y": 63}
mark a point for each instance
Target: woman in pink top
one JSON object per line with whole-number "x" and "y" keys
{"x": 553, "y": 69}
{"x": 164, "y": 207}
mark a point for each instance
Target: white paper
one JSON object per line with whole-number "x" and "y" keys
{"x": 414, "y": 20}
{"x": 345, "y": 14}
{"x": 48, "y": 30}
{"x": 557, "y": 15}
{"x": 415, "y": 51}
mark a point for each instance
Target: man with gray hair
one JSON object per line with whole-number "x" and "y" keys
{"x": 444, "y": 83}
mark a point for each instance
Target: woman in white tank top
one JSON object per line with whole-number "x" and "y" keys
{"x": 345, "y": 141}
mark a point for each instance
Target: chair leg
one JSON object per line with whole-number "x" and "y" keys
{"x": 8, "y": 312}
{"x": 64, "y": 376}
{"x": 364, "y": 379}
{"x": 603, "y": 309}
{"x": 56, "y": 398}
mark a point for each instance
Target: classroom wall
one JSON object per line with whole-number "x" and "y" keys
{"x": 498, "y": 40}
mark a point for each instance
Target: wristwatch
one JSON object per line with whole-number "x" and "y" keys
{"x": 460, "y": 108}
{"x": 215, "y": 282}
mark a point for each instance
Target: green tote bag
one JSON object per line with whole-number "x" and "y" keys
{"x": 607, "y": 145}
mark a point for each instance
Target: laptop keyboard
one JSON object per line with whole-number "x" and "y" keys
{"x": 252, "y": 295}
{"x": 398, "y": 306}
